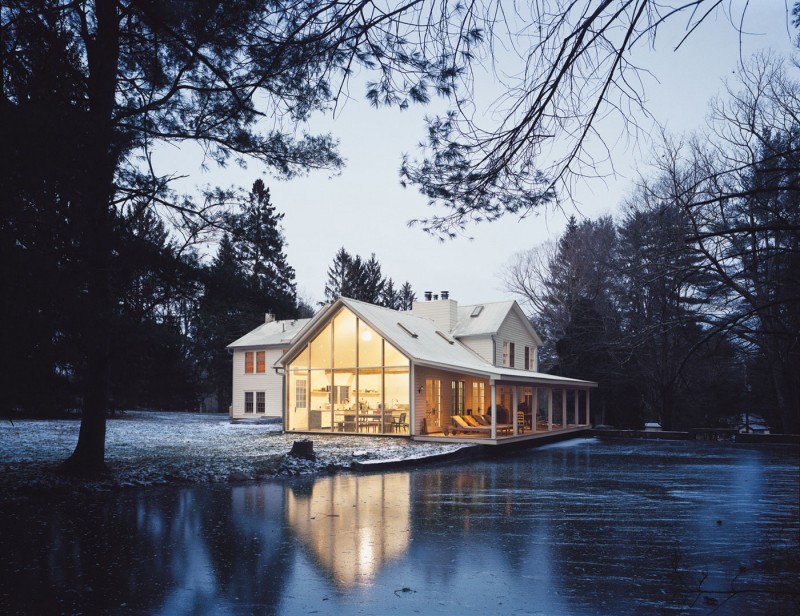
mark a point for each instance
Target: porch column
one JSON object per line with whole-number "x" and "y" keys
{"x": 494, "y": 409}
{"x": 534, "y": 408}
{"x": 564, "y": 408}
{"x": 515, "y": 405}
{"x": 577, "y": 395}
{"x": 588, "y": 408}
{"x": 549, "y": 409}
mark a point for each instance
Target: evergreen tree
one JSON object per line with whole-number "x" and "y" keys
{"x": 223, "y": 315}
{"x": 407, "y": 297}
{"x": 257, "y": 241}
{"x": 349, "y": 276}
{"x": 372, "y": 283}
{"x": 390, "y": 298}
{"x": 338, "y": 276}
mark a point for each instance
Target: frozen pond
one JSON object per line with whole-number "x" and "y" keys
{"x": 586, "y": 527}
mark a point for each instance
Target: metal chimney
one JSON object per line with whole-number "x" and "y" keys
{"x": 428, "y": 295}
{"x": 445, "y": 294}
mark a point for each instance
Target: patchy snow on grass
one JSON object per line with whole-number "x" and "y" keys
{"x": 150, "y": 448}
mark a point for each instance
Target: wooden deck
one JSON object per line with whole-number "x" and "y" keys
{"x": 555, "y": 434}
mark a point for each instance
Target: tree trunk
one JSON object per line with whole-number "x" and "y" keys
{"x": 95, "y": 197}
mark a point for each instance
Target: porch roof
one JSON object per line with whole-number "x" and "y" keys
{"x": 539, "y": 378}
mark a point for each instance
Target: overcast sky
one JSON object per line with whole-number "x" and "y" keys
{"x": 366, "y": 210}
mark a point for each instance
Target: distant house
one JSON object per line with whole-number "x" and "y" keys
{"x": 257, "y": 386}
{"x": 439, "y": 370}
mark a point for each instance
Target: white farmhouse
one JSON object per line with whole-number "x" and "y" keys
{"x": 257, "y": 385}
{"x": 439, "y": 370}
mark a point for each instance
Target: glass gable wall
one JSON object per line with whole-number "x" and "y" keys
{"x": 348, "y": 379}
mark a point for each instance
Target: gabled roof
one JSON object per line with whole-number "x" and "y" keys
{"x": 422, "y": 342}
{"x": 489, "y": 319}
{"x": 274, "y": 333}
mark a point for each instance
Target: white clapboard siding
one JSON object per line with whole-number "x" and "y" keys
{"x": 482, "y": 345}
{"x": 513, "y": 330}
{"x": 269, "y": 382}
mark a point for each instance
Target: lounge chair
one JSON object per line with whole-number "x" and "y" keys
{"x": 501, "y": 427}
{"x": 459, "y": 425}
{"x": 471, "y": 421}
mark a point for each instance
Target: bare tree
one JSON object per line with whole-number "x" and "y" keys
{"x": 579, "y": 67}
{"x": 740, "y": 188}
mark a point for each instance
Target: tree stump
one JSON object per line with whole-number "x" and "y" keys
{"x": 303, "y": 449}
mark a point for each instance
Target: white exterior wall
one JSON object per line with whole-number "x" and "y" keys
{"x": 269, "y": 382}
{"x": 513, "y": 330}
{"x": 482, "y": 345}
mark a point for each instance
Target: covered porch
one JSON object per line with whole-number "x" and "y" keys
{"x": 519, "y": 406}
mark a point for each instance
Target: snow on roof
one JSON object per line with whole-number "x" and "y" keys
{"x": 420, "y": 340}
{"x": 486, "y": 321}
{"x": 427, "y": 347}
{"x": 541, "y": 378}
{"x": 274, "y": 333}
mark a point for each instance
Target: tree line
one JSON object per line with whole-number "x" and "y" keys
{"x": 174, "y": 312}
{"x": 686, "y": 308}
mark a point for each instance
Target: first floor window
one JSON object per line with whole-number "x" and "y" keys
{"x": 248, "y": 402}
{"x": 478, "y": 397}
{"x": 301, "y": 393}
{"x": 261, "y": 402}
{"x": 458, "y": 397}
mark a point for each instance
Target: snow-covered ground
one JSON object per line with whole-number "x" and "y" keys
{"x": 150, "y": 448}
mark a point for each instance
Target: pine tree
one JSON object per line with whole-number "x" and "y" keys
{"x": 338, "y": 274}
{"x": 222, "y": 317}
{"x": 371, "y": 285}
{"x": 257, "y": 241}
{"x": 390, "y": 297}
{"x": 407, "y": 297}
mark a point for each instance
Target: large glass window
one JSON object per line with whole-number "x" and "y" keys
{"x": 344, "y": 340}
{"x": 369, "y": 346}
{"x": 348, "y": 379}
{"x": 393, "y": 357}
{"x": 320, "y": 348}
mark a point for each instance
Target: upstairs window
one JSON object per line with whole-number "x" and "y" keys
{"x": 255, "y": 362}
{"x": 511, "y": 354}
{"x": 527, "y": 358}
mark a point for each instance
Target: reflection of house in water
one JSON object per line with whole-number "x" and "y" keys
{"x": 352, "y": 525}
